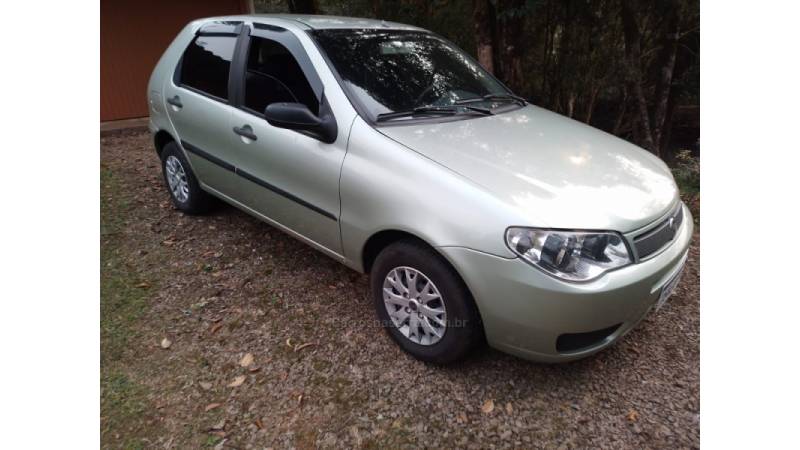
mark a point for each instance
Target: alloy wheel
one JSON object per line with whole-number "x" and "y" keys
{"x": 414, "y": 305}
{"x": 176, "y": 178}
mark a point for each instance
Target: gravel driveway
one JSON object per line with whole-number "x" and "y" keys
{"x": 220, "y": 331}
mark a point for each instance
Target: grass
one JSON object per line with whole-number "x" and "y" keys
{"x": 123, "y": 298}
{"x": 121, "y": 401}
{"x": 212, "y": 441}
{"x": 121, "y": 304}
{"x": 123, "y": 295}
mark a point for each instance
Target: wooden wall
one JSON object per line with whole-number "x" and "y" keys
{"x": 133, "y": 35}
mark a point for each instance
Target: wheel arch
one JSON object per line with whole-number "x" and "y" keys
{"x": 379, "y": 241}
{"x": 161, "y": 139}
{"x": 382, "y": 239}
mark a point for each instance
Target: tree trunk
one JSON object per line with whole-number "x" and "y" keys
{"x": 564, "y": 55}
{"x": 303, "y": 6}
{"x": 484, "y": 23}
{"x": 633, "y": 72}
{"x": 667, "y": 127}
{"x": 571, "y": 99}
{"x": 667, "y": 68}
{"x": 548, "y": 49}
{"x": 511, "y": 34}
{"x": 623, "y": 105}
{"x": 594, "y": 91}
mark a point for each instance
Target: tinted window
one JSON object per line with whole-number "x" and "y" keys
{"x": 273, "y": 75}
{"x": 206, "y": 64}
{"x": 394, "y": 70}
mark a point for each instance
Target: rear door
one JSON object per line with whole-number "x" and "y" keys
{"x": 290, "y": 177}
{"x": 197, "y": 100}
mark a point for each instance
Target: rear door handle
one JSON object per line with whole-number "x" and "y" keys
{"x": 245, "y": 131}
{"x": 175, "y": 101}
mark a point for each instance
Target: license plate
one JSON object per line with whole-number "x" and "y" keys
{"x": 669, "y": 288}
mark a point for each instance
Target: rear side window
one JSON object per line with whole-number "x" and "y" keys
{"x": 274, "y": 75}
{"x": 206, "y": 63}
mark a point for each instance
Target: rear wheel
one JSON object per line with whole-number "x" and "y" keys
{"x": 423, "y": 303}
{"x": 182, "y": 184}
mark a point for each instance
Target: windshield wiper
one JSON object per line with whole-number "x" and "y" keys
{"x": 508, "y": 97}
{"x": 450, "y": 110}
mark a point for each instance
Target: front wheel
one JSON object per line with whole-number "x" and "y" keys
{"x": 423, "y": 303}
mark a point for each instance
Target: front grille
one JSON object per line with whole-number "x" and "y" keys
{"x": 654, "y": 240}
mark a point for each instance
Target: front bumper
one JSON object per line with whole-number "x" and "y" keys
{"x": 524, "y": 311}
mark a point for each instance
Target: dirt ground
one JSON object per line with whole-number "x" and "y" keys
{"x": 186, "y": 302}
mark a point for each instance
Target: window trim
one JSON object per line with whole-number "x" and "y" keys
{"x": 208, "y": 29}
{"x": 291, "y": 42}
{"x": 238, "y": 66}
{"x": 238, "y": 77}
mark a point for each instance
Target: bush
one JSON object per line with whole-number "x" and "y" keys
{"x": 687, "y": 175}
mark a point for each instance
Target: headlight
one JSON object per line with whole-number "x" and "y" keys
{"x": 569, "y": 255}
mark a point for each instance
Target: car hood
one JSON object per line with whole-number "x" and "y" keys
{"x": 556, "y": 172}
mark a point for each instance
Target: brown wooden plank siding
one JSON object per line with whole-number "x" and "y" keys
{"x": 133, "y": 35}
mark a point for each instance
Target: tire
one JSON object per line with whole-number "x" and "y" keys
{"x": 196, "y": 200}
{"x": 463, "y": 329}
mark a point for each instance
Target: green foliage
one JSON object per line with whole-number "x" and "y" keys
{"x": 686, "y": 170}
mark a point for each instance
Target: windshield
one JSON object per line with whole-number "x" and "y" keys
{"x": 391, "y": 71}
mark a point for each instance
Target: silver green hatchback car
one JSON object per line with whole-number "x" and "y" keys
{"x": 476, "y": 214}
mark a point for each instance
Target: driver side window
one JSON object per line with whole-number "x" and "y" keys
{"x": 273, "y": 75}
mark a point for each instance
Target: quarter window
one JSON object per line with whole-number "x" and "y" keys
{"x": 274, "y": 75}
{"x": 206, "y": 63}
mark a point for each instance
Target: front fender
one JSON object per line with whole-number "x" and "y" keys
{"x": 387, "y": 186}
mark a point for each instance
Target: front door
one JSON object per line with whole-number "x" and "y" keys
{"x": 290, "y": 177}
{"x": 196, "y": 100}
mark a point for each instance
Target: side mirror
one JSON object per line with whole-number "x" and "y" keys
{"x": 297, "y": 116}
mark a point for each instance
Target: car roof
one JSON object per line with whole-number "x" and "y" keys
{"x": 319, "y": 22}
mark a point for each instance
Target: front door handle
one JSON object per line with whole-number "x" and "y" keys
{"x": 245, "y": 131}
{"x": 175, "y": 101}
